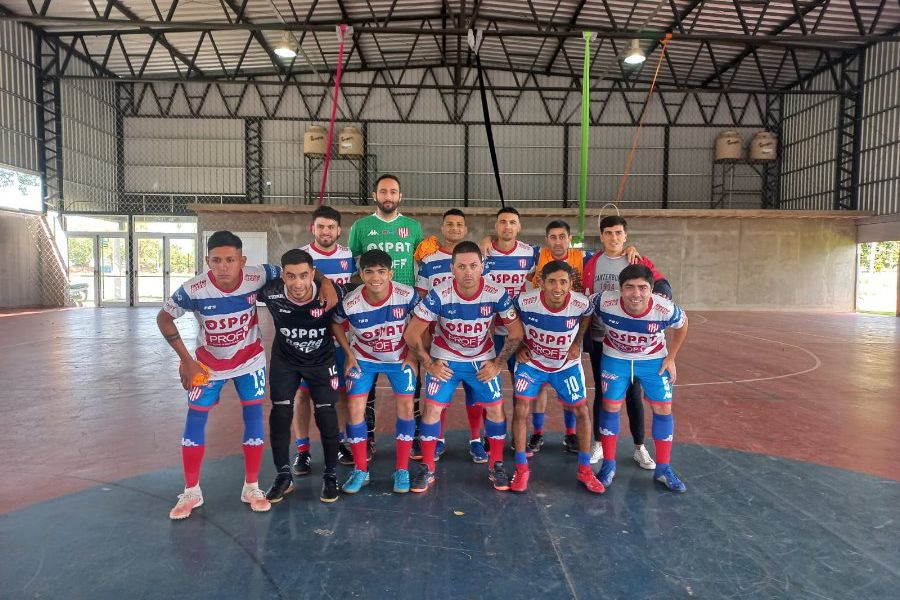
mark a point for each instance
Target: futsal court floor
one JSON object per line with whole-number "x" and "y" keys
{"x": 787, "y": 437}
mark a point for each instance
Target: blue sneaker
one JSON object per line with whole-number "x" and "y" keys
{"x": 356, "y": 481}
{"x": 438, "y": 450}
{"x": 667, "y": 477}
{"x": 401, "y": 481}
{"x": 607, "y": 472}
{"x": 479, "y": 454}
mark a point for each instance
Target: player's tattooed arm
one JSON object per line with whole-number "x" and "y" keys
{"x": 576, "y": 349}
{"x": 415, "y": 336}
{"x": 169, "y": 330}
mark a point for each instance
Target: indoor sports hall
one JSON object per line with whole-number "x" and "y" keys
{"x": 749, "y": 149}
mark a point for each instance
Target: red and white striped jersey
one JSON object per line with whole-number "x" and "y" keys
{"x": 549, "y": 333}
{"x": 338, "y": 266}
{"x": 636, "y": 337}
{"x": 229, "y": 341}
{"x": 510, "y": 270}
{"x": 376, "y": 330}
{"x": 463, "y": 330}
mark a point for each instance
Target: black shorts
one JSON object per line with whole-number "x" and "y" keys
{"x": 285, "y": 376}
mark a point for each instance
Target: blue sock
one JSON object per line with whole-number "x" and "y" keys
{"x": 521, "y": 459}
{"x": 537, "y": 421}
{"x": 406, "y": 429}
{"x": 584, "y": 459}
{"x": 341, "y": 436}
{"x": 609, "y": 423}
{"x": 254, "y": 432}
{"x": 429, "y": 431}
{"x": 195, "y": 428}
{"x": 302, "y": 444}
{"x": 357, "y": 432}
{"x": 569, "y": 419}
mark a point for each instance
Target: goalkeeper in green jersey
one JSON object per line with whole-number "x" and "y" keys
{"x": 397, "y": 235}
{"x": 388, "y": 230}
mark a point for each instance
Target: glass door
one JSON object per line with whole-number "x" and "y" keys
{"x": 113, "y": 261}
{"x": 180, "y": 261}
{"x": 82, "y": 269}
{"x": 149, "y": 283}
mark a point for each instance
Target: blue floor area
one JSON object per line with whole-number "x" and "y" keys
{"x": 749, "y": 526}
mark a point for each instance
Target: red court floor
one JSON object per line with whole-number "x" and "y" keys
{"x": 92, "y": 395}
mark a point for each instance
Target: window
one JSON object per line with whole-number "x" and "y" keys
{"x": 20, "y": 190}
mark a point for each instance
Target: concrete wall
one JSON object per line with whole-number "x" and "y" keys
{"x": 719, "y": 260}
{"x": 20, "y": 262}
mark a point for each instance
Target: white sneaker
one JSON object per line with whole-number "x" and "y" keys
{"x": 255, "y": 497}
{"x": 191, "y": 498}
{"x": 596, "y": 453}
{"x": 642, "y": 458}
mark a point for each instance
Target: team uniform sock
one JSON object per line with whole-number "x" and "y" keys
{"x": 473, "y": 414}
{"x": 358, "y": 435}
{"x": 254, "y": 440}
{"x": 663, "y": 431}
{"x": 406, "y": 429}
{"x": 496, "y": 433}
{"x": 193, "y": 443}
{"x": 584, "y": 460}
{"x": 609, "y": 432}
{"x": 302, "y": 444}
{"x": 443, "y": 418}
{"x": 521, "y": 461}
{"x": 428, "y": 437}
{"x": 569, "y": 422}
{"x": 537, "y": 422}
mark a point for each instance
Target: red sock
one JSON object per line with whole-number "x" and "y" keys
{"x": 495, "y": 449}
{"x": 252, "y": 461}
{"x": 571, "y": 431}
{"x": 359, "y": 454}
{"x": 427, "y": 447}
{"x": 663, "y": 451}
{"x": 403, "y": 449}
{"x": 539, "y": 431}
{"x": 473, "y": 413}
{"x": 443, "y": 414}
{"x": 191, "y": 459}
{"x": 609, "y": 446}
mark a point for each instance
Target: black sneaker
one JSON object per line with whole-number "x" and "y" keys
{"x": 498, "y": 476}
{"x": 330, "y": 488}
{"x": 301, "y": 465}
{"x": 422, "y": 480}
{"x": 535, "y": 443}
{"x": 416, "y": 452}
{"x": 281, "y": 487}
{"x": 570, "y": 443}
{"x": 370, "y": 450}
{"x": 345, "y": 456}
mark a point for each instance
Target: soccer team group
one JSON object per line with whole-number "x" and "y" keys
{"x": 446, "y": 312}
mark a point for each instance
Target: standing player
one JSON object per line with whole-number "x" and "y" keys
{"x": 463, "y": 310}
{"x": 336, "y": 263}
{"x": 303, "y": 350}
{"x": 601, "y": 274}
{"x": 229, "y": 346}
{"x": 378, "y": 313}
{"x": 635, "y": 346}
{"x": 434, "y": 269}
{"x": 396, "y": 234}
{"x": 555, "y": 321}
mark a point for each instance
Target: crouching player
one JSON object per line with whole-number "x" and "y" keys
{"x": 555, "y": 320}
{"x": 635, "y": 346}
{"x": 378, "y": 313}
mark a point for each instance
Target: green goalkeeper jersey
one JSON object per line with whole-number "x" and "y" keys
{"x": 399, "y": 238}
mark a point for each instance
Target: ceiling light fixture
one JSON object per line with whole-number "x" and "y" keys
{"x": 635, "y": 55}
{"x": 287, "y": 47}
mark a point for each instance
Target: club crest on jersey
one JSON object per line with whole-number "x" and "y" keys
{"x": 344, "y": 264}
{"x": 251, "y": 299}
{"x": 316, "y": 313}
{"x": 433, "y": 387}
{"x": 652, "y": 327}
{"x": 521, "y": 385}
{"x": 334, "y": 383}
{"x": 399, "y": 312}
{"x": 485, "y": 311}
{"x": 403, "y": 232}
{"x": 570, "y": 323}
{"x": 523, "y": 262}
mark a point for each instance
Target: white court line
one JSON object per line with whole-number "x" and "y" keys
{"x": 692, "y": 316}
{"x": 801, "y": 348}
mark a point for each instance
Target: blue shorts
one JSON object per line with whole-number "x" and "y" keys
{"x": 485, "y": 393}
{"x": 339, "y": 360}
{"x": 251, "y": 389}
{"x": 618, "y": 374}
{"x": 499, "y": 341}
{"x": 568, "y": 383}
{"x": 402, "y": 378}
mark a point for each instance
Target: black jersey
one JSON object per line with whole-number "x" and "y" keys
{"x": 302, "y": 331}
